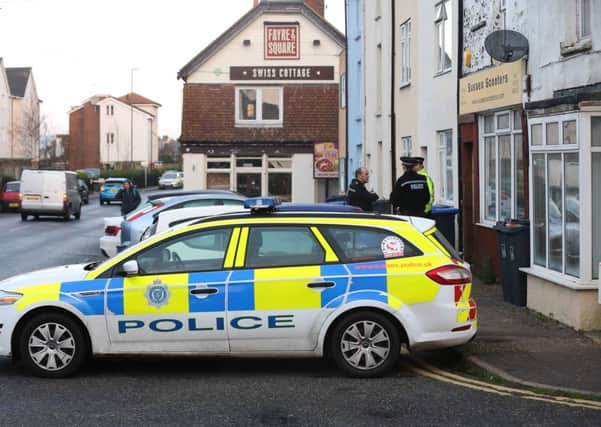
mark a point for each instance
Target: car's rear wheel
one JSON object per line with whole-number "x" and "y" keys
{"x": 52, "y": 345}
{"x": 77, "y": 214}
{"x": 365, "y": 344}
{"x": 24, "y": 217}
{"x": 67, "y": 214}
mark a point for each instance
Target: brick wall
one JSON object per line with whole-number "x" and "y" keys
{"x": 84, "y": 144}
{"x": 310, "y": 114}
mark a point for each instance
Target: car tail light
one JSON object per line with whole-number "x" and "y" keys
{"x": 20, "y": 196}
{"x": 65, "y": 198}
{"x": 450, "y": 275}
{"x": 145, "y": 211}
{"x": 112, "y": 230}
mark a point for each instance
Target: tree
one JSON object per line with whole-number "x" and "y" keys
{"x": 29, "y": 131}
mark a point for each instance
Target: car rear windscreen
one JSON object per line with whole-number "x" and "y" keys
{"x": 12, "y": 187}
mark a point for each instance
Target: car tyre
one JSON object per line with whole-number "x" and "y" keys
{"x": 52, "y": 345}
{"x": 365, "y": 344}
{"x": 67, "y": 215}
{"x": 24, "y": 217}
{"x": 77, "y": 215}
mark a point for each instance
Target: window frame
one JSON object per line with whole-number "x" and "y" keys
{"x": 114, "y": 272}
{"x": 239, "y": 122}
{"x": 442, "y": 166}
{"x": 306, "y": 227}
{"x": 442, "y": 23}
{"x": 482, "y": 161}
{"x": 405, "y": 53}
{"x": 343, "y": 259}
{"x": 563, "y": 150}
{"x": 581, "y": 23}
{"x": 407, "y": 141}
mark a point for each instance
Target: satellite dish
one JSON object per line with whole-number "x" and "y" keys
{"x": 506, "y": 45}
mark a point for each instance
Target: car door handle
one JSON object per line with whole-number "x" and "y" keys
{"x": 88, "y": 293}
{"x": 319, "y": 285}
{"x": 204, "y": 291}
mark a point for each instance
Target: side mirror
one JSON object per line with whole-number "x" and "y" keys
{"x": 130, "y": 268}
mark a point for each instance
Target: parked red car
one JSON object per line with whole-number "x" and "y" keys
{"x": 10, "y": 197}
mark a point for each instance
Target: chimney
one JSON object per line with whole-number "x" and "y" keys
{"x": 316, "y": 5}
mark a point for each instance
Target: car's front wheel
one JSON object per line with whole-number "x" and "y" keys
{"x": 365, "y": 344}
{"x": 52, "y": 345}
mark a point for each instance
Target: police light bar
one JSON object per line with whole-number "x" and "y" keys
{"x": 266, "y": 204}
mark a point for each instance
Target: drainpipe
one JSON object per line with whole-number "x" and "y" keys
{"x": 392, "y": 92}
{"x": 459, "y": 162}
{"x": 345, "y": 178}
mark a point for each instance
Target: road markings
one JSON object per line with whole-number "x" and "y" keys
{"x": 432, "y": 372}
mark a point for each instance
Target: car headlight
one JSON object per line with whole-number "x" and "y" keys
{"x": 8, "y": 298}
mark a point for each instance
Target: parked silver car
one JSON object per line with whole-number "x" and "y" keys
{"x": 134, "y": 225}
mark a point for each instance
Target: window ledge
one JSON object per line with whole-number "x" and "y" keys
{"x": 443, "y": 72}
{"x": 485, "y": 224}
{"x": 559, "y": 279}
{"x": 404, "y": 85}
{"x": 572, "y": 48}
{"x": 259, "y": 125}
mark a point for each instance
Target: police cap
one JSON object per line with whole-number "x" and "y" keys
{"x": 408, "y": 161}
{"x": 419, "y": 159}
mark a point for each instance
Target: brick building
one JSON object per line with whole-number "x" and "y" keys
{"x": 261, "y": 102}
{"x": 109, "y": 131}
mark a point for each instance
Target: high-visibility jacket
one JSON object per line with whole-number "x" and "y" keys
{"x": 430, "y": 189}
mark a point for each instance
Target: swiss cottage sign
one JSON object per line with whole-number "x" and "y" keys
{"x": 282, "y": 40}
{"x": 282, "y": 73}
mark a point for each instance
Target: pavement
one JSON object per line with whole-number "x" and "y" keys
{"x": 524, "y": 347}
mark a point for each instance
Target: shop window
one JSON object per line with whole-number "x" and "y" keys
{"x": 249, "y": 163}
{"x": 280, "y": 163}
{"x": 259, "y": 106}
{"x": 218, "y": 164}
{"x": 280, "y": 186}
{"x": 443, "y": 30}
{"x": 445, "y": 167}
{"x": 218, "y": 181}
{"x": 556, "y": 198}
{"x": 502, "y": 168}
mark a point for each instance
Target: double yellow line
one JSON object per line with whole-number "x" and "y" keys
{"x": 429, "y": 371}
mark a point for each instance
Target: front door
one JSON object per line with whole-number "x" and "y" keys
{"x": 177, "y": 301}
{"x": 249, "y": 184}
{"x": 289, "y": 283}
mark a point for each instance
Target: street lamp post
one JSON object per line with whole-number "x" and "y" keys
{"x": 131, "y": 121}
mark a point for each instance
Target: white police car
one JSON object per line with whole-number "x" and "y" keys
{"x": 351, "y": 286}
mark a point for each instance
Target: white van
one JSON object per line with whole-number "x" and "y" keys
{"x": 52, "y": 193}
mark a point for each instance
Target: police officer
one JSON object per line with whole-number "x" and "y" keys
{"x": 358, "y": 195}
{"x": 410, "y": 194}
{"x": 420, "y": 170}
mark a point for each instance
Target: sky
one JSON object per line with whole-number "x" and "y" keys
{"x": 79, "y": 48}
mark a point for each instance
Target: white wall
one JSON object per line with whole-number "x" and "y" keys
{"x": 194, "y": 171}
{"x": 303, "y": 184}
{"x": 5, "y": 114}
{"x": 376, "y": 81}
{"x": 216, "y": 69}
{"x": 120, "y": 125}
{"x": 546, "y": 31}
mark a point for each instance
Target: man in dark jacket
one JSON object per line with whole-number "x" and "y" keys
{"x": 358, "y": 194}
{"x": 410, "y": 195}
{"x": 130, "y": 198}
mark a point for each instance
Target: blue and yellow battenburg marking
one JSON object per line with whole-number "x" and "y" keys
{"x": 395, "y": 282}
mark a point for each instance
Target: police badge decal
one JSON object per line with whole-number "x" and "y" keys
{"x": 157, "y": 294}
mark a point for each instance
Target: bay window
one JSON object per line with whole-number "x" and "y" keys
{"x": 555, "y": 193}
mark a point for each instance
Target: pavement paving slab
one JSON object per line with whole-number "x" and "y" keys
{"x": 524, "y": 345}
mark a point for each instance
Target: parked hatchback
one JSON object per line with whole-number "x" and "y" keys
{"x": 10, "y": 197}
{"x": 171, "y": 179}
{"x": 109, "y": 190}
